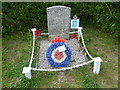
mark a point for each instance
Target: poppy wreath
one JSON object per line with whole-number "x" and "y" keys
{"x": 56, "y": 58}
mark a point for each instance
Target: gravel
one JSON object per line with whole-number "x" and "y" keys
{"x": 78, "y": 56}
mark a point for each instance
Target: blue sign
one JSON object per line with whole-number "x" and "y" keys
{"x": 74, "y": 23}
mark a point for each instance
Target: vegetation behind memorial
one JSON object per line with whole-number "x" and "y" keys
{"x": 19, "y": 17}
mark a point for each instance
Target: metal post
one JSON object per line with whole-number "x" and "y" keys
{"x": 79, "y": 32}
{"x": 27, "y": 70}
{"x": 97, "y": 63}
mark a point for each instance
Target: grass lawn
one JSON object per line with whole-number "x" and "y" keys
{"x": 16, "y": 51}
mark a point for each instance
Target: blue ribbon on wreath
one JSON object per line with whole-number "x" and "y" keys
{"x": 50, "y": 51}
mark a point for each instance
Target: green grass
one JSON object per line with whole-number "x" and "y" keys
{"x": 0, "y": 63}
{"x": 105, "y": 46}
{"x": 16, "y": 55}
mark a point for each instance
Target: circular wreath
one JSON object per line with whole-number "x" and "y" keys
{"x": 56, "y": 58}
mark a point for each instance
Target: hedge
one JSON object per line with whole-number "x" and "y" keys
{"x": 21, "y": 16}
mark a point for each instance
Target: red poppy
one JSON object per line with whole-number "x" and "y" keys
{"x": 57, "y": 39}
{"x": 52, "y": 41}
{"x": 74, "y": 36}
{"x": 37, "y": 33}
{"x": 62, "y": 40}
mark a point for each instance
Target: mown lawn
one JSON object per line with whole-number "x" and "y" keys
{"x": 16, "y": 51}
